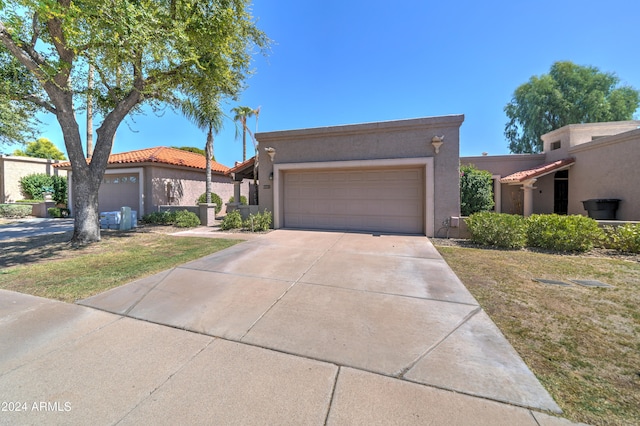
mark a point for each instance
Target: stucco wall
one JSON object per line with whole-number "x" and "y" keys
{"x": 13, "y": 168}
{"x": 371, "y": 141}
{"x": 607, "y": 168}
{"x": 173, "y": 186}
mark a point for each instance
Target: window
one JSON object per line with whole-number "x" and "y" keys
{"x": 555, "y": 145}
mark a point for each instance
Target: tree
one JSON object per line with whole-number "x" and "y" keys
{"x": 241, "y": 113}
{"x": 191, "y": 149}
{"x": 204, "y": 111}
{"x": 476, "y": 190}
{"x": 143, "y": 52}
{"x": 17, "y": 120}
{"x": 41, "y": 148}
{"x": 569, "y": 94}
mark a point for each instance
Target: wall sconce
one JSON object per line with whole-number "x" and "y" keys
{"x": 271, "y": 176}
{"x": 437, "y": 142}
{"x": 271, "y": 151}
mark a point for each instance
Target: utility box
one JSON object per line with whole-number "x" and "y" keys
{"x": 125, "y": 218}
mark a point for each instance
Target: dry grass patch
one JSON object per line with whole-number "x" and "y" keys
{"x": 50, "y": 267}
{"x": 582, "y": 343}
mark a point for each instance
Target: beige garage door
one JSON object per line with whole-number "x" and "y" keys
{"x": 119, "y": 190}
{"x": 383, "y": 200}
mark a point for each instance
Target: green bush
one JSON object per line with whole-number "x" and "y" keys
{"x": 59, "y": 184}
{"x": 625, "y": 238}
{"x": 186, "y": 219}
{"x": 232, "y": 220}
{"x": 13, "y": 211}
{"x": 476, "y": 190}
{"x": 32, "y": 185}
{"x": 243, "y": 200}
{"x": 497, "y": 229}
{"x": 215, "y": 198}
{"x": 562, "y": 233}
{"x": 260, "y": 222}
{"x": 160, "y": 218}
{"x": 58, "y": 212}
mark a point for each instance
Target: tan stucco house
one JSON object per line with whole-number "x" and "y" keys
{"x": 13, "y": 168}
{"x": 149, "y": 178}
{"x": 579, "y": 162}
{"x": 395, "y": 176}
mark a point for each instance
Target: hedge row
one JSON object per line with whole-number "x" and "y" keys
{"x": 180, "y": 219}
{"x": 552, "y": 232}
{"x": 15, "y": 210}
{"x": 254, "y": 223}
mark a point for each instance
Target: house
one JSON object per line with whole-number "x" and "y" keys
{"x": 396, "y": 176}
{"x": 579, "y": 162}
{"x": 13, "y": 168}
{"x": 148, "y": 178}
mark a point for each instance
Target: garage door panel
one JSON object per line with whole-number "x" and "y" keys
{"x": 385, "y": 200}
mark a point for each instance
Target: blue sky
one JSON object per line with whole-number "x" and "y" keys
{"x": 350, "y": 61}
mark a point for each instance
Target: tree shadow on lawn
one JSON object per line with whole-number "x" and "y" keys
{"x": 22, "y": 251}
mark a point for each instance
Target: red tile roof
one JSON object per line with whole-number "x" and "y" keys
{"x": 541, "y": 170}
{"x": 162, "y": 155}
{"x": 240, "y": 167}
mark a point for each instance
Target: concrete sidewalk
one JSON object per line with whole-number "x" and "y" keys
{"x": 293, "y": 327}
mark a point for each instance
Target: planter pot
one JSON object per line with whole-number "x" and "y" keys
{"x": 602, "y": 208}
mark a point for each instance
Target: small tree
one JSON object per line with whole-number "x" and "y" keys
{"x": 41, "y": 148}
{"x": 476, "y": 192}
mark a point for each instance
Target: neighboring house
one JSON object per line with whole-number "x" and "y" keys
{"x": 579, "y": 162}
{"x": 13, "y": 168}
{"x": 396, "y": 176}
{"x": 149, "y": 178}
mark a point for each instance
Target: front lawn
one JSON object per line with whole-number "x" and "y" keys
{"x": 582, "y": 343}
{"x": 49, "y": 267}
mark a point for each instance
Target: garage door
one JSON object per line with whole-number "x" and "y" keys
{"x": 382, "y": 200}
{"x": 118, "y": 190}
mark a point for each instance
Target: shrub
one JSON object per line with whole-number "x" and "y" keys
{"x": 260, "y": 222}
{"x": 476, "y": 190}
{"x": 562, "y": 233}
{"x": 215, "y": 198}
{"x": 497, "y": 229}
{"x": 232, "y": 220}
{"x": 243, "y": 200}
{"x": 58, "y": 212}
{"x": 626, "y": 238}
{"x": 186, "y": 219}
{"x": 15, "y": 210}
{"x": 59, "y": 185}
{"x": 32, "y": 185}
{"x": 160, "y": 218}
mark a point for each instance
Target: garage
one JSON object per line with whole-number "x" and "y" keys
{"x": 118, "y": 190}
{"x": 378, "y": 200}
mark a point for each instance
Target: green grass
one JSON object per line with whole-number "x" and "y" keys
{"x": 582, "y": 343}
{"x": 50, "y": 267}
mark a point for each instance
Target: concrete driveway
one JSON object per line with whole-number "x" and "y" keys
{"x": 35, "y": 227}
{"x": 293, "y": 327}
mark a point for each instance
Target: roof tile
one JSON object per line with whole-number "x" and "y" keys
{"x": 538, "y": 171}
{"x": 162, "y": 155}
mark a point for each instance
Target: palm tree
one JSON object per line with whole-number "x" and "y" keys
{"x": 241, "y": 113}
{"x": 206, "y": 114}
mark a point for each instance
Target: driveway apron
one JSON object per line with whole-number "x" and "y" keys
{"x": 362, "y": 303}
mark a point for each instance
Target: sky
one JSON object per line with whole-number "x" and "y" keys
{"x": 335, "y": 62}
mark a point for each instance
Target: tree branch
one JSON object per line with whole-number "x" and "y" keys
{"x": 35, "y": 29}
{"x": 40, "y": 102}
{"x": 23, "y": 52}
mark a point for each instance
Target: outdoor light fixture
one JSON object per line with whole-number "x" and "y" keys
{"x": 271, "y": 151}
{"x": 271, "y": 176}
{"x": 437, "y": 142}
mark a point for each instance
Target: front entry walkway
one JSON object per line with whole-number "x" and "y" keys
{"x": 302, "y": 327}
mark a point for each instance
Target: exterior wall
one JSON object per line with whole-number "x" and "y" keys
{"x": 13, "y": 168}
{"x": 181, "y": 187}
{"x": 607, "y": 168}
{"x": 393, "y": 140}
{"x": 578, "y": 134}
